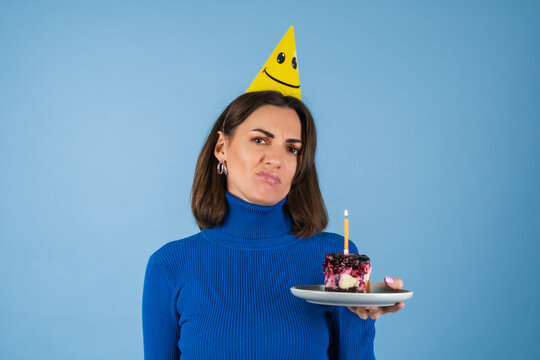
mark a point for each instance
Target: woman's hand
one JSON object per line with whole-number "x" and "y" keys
{"x": 375, "y": 311}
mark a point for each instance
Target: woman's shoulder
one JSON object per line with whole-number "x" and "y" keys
{"x": 326, "y": 237}
{"x": 177, "y": 248}
{"x": 329, "y": 236}
{"x": 332, "y": 241}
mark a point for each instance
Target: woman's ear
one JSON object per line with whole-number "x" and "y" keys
{"x": 220, "y": 150}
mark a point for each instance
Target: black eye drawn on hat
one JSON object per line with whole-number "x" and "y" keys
{"x": 281, "y": 57}
{"x": 294, "y": 64}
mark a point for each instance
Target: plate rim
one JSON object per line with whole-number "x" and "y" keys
{"x": 321, "y": 297}
{"x": 394, "y": 292}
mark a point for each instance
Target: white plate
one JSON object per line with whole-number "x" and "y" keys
{"x": 379, "y": 296}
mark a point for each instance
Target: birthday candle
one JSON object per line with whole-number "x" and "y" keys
{"x": 346, "y": 233}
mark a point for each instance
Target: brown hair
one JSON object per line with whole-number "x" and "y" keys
{"x": 304, "y": 203}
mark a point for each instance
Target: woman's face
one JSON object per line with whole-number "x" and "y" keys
{"x": 262, "y": 155}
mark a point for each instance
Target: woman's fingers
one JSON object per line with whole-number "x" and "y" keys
{"x": 360, "y": 311}
{"x": 375, "y": 312}
{"x": 393, "y": 308}
{"x": 372, "y": 312}
{"x": 393, "y": 283}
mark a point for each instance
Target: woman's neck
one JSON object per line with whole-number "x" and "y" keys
{"x": 253, "y": 226}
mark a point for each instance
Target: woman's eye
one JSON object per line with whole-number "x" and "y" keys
{"x": 259, "y": 140}
{"x": 294, "y": 150}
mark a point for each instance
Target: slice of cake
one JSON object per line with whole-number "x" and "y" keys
{"x": 346, "y": 273}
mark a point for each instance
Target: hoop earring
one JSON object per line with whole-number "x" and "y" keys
{"x": 222, "y": 168}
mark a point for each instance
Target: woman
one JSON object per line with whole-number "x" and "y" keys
{"x": 224, "y": 293}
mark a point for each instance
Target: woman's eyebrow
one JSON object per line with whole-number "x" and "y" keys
{"x": 267, "y": 133}
{"x": 270, "y": 135}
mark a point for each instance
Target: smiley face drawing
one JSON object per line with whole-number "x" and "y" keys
{"x": 280, "y": 72}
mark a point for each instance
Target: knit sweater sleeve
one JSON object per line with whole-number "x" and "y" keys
{"x": 159, "y": 317}
{"x": 352, "y": 337}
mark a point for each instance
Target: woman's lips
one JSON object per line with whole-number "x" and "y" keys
{"x": 269, "y": 177}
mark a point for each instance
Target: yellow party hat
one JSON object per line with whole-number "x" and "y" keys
{"x": 280, "y": 72}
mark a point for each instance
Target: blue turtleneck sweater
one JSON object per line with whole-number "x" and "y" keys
{"x": 224, "y": 293}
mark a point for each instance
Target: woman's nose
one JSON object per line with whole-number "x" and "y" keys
{"x": 274, "y": 157}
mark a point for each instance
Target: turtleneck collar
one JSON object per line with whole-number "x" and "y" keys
{"x": 251, "y": 226}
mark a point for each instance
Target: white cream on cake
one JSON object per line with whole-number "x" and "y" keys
{"x": 347, "y": 281}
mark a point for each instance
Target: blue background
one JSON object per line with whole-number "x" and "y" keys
{"x": 429, "y": 134}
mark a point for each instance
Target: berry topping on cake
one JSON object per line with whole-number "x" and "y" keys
{"x": 346, "y": 272}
